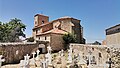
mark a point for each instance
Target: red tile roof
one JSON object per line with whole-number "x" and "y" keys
{"x": 42, "y": 25}
{"x": 66, "y": 17}
{"x": 54, "y": 31}
{"x": 40, "y": 15}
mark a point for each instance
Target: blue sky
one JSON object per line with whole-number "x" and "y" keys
{"x": 95, "y": 15}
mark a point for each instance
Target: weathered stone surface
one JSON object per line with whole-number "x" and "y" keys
{"x": 99, "y": 51}
{"x": 14, "y": 52}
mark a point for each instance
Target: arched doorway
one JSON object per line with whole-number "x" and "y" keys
{"x": 41, "y": 48}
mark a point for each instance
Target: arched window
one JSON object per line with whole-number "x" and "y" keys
{"x": 42, "y": 22}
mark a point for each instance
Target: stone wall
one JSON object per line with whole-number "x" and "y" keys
{"x": 14, "y": 52}
{"x": 65, "y": 25}
{"x": 41, "y": 19}
{"x": 57, "y": 42}
{"x": 113, "y": 40}
{"x": 47, "y": 27}
{"x": 45, "y": 37}
{"x": 98, "y": 51}
{"x": 73, "y": 26}
{"x": 77, "y": 30}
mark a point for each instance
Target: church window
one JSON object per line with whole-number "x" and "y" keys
{"x": 35, "y": 22}
{"x": 100, "y": 55}
{"x": 45, "y": 38}
{"x": 36, "y": 31}
{"x": 42, "y": 22}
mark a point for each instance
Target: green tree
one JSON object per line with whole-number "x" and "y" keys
{"x": 11, "y": 31}
{"x": 69, "y": 38}
{"x": 96, "y": 43}
{"x": 1, "y": 31}
{"x": 31, "y": 39}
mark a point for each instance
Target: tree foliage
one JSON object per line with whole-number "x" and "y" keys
{"x": 10, "y": 32}
{"x": 69, "y": 38}
{"x": 96, "y": 43}
{"x": 31, "y": 39}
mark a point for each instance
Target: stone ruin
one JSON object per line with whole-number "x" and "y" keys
{"x": 14, "y": 52}
{"x": 77, "y": 56}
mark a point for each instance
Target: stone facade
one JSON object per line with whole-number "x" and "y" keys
{"x": 14, "y": 52}
{"x": 53, "y": 31}
{"x": 58, "y": 45}
{"x": 113, "y": 36}
{"x": 53, "y": 39}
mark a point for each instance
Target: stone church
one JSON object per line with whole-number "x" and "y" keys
{"x": 53, "y": 31}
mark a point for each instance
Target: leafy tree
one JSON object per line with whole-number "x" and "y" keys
{"x": 69, "y": 38}
{"x": 96, "y": 43}
{"x": 31, "y": 39}
{"x": 1, "y": 31}
{"x": 11, "y": 31}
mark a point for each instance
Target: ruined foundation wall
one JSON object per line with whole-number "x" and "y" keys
{"x": 14, "y": 52}
{"x": 99, "y": 51}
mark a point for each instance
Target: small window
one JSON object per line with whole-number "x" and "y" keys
{"x": 35, "y": 22}
{"x": 93, "y": 49}
{"x": 42, "y": 22}
{"x": 100, "y": 55}
{"x": 45, "y": 38}
{"x": 36, "y": 31}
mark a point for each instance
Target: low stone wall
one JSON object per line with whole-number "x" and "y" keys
{"x": 98, "y": 51}
{"x": 14, "y": 52}
{"x": 101, "y": 53}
